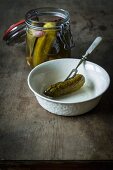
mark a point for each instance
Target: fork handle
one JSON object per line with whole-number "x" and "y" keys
{"x": 94, "y": 45}
{"x": 90, "y": 49}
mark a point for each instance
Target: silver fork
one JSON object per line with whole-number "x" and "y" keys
{"x": 84, "y": 57}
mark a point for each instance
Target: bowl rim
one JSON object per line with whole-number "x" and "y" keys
{"x": 65, "y": 102}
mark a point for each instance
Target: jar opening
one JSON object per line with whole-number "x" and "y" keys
{"x": 36, "y": 18}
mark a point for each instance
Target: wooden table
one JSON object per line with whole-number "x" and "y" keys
{"x": 27, "y": 131}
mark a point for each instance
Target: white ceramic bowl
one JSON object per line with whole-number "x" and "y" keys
{"x": 96, "y": 83}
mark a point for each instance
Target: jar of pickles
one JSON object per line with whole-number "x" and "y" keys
{"x": 48, "y": 35}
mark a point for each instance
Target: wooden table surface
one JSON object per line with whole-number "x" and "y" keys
{"x": 27, "y": 131}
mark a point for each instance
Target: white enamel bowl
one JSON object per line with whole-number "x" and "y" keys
{"x": 96, "y": 83}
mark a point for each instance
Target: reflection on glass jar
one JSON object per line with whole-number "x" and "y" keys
{"x": 48, "y": 35}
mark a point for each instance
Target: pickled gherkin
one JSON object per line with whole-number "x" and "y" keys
{"x": 44, "y": 44}
{"x": 65, "y": 87}
{"x": 30, "y": 42}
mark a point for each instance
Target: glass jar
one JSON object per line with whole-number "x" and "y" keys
{"x": 48, "y": 35}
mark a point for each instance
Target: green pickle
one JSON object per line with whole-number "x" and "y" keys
{"x": 65, "y": 87}
{"x": 30, "y": 41}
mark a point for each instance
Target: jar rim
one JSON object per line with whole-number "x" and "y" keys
{"x": 64, "y": 14}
